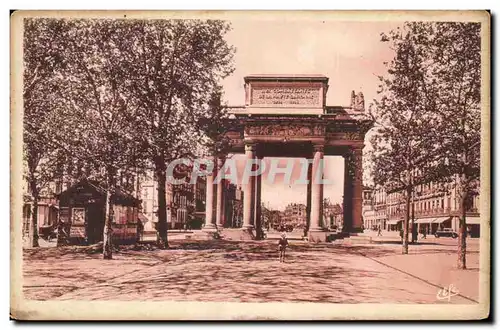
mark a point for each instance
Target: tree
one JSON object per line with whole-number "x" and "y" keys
{"x": 327, "y": 212}
{"x": 175, "y": 68}
{"x": 337, "y": 212}
{"x": 456, "y": 56}
{"x": 237, "y": 214}
{"x": 403, "y": 143}
{"x": 267, "y": 216}
{"x": 443, "y": 77}
{"x": 42, "y": 60}
{"x": 98, "y": 125}
{"x": 132, "y": 91}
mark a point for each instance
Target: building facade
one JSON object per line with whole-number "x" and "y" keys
{"x": 185, "y": 203}
{"x": 48, "y": 206}
{"x": 295, "y": 215}
{"x": 368, "y": 208}
{"x": 433, "y": 206}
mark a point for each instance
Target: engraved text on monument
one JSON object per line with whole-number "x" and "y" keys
{"x": 286, "y": 96}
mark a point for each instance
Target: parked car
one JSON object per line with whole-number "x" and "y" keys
{"x": 446, "y": 232}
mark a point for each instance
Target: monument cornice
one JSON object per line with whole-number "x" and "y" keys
{"x": 286, "y": 77}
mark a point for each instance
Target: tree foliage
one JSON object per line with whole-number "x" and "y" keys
{"x": 404, "y": 112}
{"x": 42, "y": 60}
{"x": 428, "y": 112}
{"x": 457, "y": 58}
{"x": 115, "y": 96}
{"x": 175, "y": 68}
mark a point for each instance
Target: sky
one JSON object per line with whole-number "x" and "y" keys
{"x": 349, "y": 53}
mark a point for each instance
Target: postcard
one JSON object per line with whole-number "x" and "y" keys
{"x": 250, "y": 165}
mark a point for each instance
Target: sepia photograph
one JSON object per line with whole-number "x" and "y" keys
{"x": 320, "y": 165}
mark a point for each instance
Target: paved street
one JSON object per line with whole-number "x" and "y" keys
{"x": 250, "y": 272}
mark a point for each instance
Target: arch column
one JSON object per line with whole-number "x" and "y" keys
{"x": 219, "y": 216}
{"x": 308, "y": 204}
{"x": 257, "y": 201}
{"x": 353, "y": 190}
{"x": 209, "y": 203}
{"x": 249, "y": 194}
{"x": 347, "y": 198}
{"x": 357, "y": 190}
{"x": 316, "y": 232}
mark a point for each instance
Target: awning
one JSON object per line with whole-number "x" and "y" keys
{"x": 393, "y": 222}
{"x": 441, "y": 220}
{"x": 425, "y": 220}
{"x": 473, "y": 220}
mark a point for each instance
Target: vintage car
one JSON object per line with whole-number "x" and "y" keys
{"x": 446, "y": 232}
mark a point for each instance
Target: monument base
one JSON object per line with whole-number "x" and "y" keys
{"x": 247, "y": 234}
{"x": 353, "y": 231}
{"x": 317, "y": 236}
{"x": 209, "y": 228}
{"x": 238, "y": 234}
{"x": 206, "y": 233}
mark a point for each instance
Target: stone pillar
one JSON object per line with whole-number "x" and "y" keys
{"x": 257, "y": 202}
{"x": 357, "y": 190}
{"x": 308, "y": 203}
{"x": 248, "y": 192}
{"x": 347, "y": 202}
{"x": 209, "y": 203}
{"x": 224, "y": 203}
{"x": 316, "y": 233}
{"x": 219, "y": 199}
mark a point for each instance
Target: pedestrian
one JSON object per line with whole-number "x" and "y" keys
{"x": 140, "y": 230}
{"x": 424, "y": 233}
{"x": 282, "y": 244}
{"x": 379, "y": 231}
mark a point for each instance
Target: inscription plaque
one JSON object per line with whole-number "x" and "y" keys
{"x": 286, "y": 96}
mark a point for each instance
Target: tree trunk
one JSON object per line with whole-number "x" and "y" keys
{"x": 414, "y": 232}
{"x": 462, "y": 228}
{"x": 406, "y": 221}
{"x": 463, "y": 190}
{"x": 33, "y": 230}
{"x": 162, "y": 239}
{"x": 107, "y": 248}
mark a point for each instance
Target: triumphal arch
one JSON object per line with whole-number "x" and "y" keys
{"x": 287, "y": 116}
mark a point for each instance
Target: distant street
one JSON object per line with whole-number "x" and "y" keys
{"x": 218, "y": 270}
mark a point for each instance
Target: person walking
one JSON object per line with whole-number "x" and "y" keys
{"x": 379, "y": 231}
{"x": 282, "y": 245}
{"x": 140, "y": 230}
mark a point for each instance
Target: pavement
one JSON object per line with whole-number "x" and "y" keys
{"x": 232, "y": 271}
